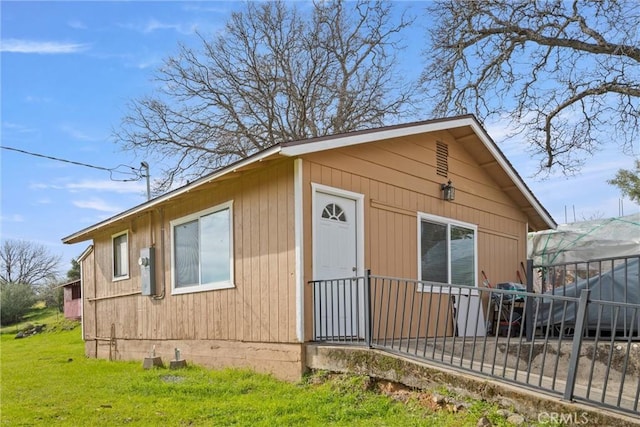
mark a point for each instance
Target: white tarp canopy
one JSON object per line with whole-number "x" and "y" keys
{"x": 586, "y": 240}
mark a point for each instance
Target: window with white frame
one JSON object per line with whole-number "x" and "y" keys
{"x": 202, "y": 250}
{"x": 120, "y": 243}
{"x": 447, "y": 250}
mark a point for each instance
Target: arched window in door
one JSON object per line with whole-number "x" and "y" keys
{"x": 334, "y": 212}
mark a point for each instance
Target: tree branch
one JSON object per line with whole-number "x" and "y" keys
{"x": 542, "y": 64}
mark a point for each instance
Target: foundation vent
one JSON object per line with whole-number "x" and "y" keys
{"x": 442, "y": 159}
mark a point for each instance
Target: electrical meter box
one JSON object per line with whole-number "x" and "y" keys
{"x": 147, "y": 271}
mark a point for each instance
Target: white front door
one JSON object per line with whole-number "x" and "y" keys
{"x": 338, "y": 303}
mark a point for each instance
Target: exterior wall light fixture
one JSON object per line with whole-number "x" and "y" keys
{"x": 448, "y": 191}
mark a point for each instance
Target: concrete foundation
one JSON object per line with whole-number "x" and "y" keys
{"x": 284, "y": 361}
{"x": 424, "y": 375}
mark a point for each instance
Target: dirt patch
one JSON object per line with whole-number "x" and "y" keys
{"x": 431, "y": 400}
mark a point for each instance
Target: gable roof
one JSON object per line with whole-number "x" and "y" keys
{"x": 465, "y": 129}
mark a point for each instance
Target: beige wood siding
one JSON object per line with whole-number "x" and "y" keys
{"x": 261, "y": 306}
{"x": 399, "y": 311}
{"x": 398, "y": 178}
{"x": 88, "y": 280}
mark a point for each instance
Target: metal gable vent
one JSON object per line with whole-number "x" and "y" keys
{"x": 442, "y": 159}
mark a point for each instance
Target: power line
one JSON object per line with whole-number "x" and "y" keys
{"x": 135, "y": 172}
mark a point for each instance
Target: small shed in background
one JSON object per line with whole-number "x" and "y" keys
{"x": 72, "y": 300}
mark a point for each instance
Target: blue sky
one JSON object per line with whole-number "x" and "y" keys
{"x": 68, "y": 70}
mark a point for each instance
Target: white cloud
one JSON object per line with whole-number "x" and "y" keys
{"x": 12, "y": 218}
{"x": 97, "y": 204}
{"x": 608, "y": 163}
{"x": 77, "y": 25}
{"x": 106, "y": 185}
{"x": 593, "y": 175}
{"x": 208, "y": 8}
{"x": 154, "y": 25}
{"x": 79, "y": 134}
{"x": 139, "y": 60}
{"x": 143, "y": 64}
{"x": 40, "y": 47}
{"x": 37, "y": 99}
{"x": 43, "y": 186}
{"x": 499, "y": 130}
{"x": 16, "y": 127}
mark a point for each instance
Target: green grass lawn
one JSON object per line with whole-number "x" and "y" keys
{"x": 38, "y": 315}
{"x": 47, "y": 380}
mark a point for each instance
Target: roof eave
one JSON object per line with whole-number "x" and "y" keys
{"x": 83, "y": 234}
{"x": 297, "y": 149}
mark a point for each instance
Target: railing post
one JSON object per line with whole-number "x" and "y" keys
{"x": 367, "y": 308}
{"x": 581, "y": 318}
{"x": 315, "y": 310}
{"x": 528, "y": 302}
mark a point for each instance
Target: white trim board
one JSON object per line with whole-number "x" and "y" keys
{"x": 298, "y": 207}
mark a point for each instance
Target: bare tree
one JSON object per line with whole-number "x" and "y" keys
{"x": 566, "y": 74}
{"x": 276, "y": 73}
{"x": 27, "y": 263}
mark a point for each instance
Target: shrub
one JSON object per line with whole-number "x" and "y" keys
{"x": 52, "y": 295}
{"x": 15, "y": 301}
